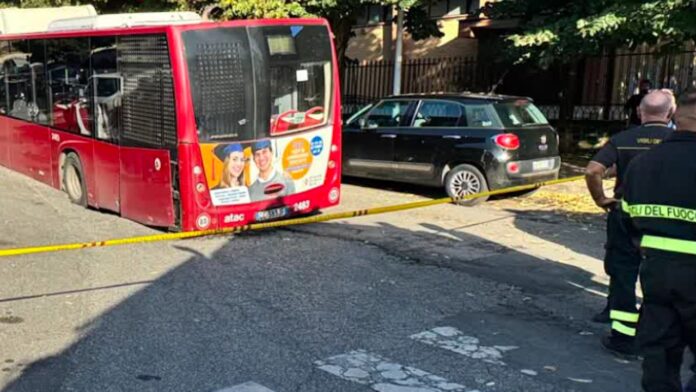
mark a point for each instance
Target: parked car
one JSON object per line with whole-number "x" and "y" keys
{"x": 466, "y": 143}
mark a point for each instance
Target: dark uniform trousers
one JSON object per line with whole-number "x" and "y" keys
{"x": 668, "y": 317}
{"x": 622, "y": 262}
{"x": 622, "y": 257}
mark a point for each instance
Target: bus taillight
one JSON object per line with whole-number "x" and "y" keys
{"x": 202, "y": 194}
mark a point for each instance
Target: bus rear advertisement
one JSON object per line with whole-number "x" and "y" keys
{"x": 175, "y": 122}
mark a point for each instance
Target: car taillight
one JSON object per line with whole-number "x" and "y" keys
{"x": 508, "y": 141}
{"x": 513, "y": 167}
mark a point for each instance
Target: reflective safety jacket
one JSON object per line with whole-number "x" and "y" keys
{"x": 660, "y": 194}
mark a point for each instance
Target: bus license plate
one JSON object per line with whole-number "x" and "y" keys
{"x": 274, "y": 213}
{"x": 544, "y": 164}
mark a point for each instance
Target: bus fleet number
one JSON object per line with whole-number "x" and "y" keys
{"x": 301, "y": 206}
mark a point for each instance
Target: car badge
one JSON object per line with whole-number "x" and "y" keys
{"x": 543, "y": 139}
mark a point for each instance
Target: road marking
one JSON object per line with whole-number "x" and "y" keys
{"x": 246, "y": 387}
{"x": 383, "y": 375}
{"x": 589, "y": 290}
{"x": 454, "y": 340}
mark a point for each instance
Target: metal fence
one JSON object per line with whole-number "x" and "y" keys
{"x": 363, "y": 83}
{"x": 597, "y": 93}
{"x": 607, "y": 82}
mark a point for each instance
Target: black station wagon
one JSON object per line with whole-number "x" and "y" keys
{"x": 466, "y": 143}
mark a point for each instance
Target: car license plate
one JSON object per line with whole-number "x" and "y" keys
{"x": 544, "y": 164}
{"x": 274, "y": 213}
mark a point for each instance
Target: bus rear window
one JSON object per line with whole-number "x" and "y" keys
{"x": 249, "y": 83}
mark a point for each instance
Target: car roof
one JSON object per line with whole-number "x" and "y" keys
{"x": 468, "y": 96}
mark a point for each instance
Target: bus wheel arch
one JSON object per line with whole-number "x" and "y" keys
{"x": 72, "y": 178}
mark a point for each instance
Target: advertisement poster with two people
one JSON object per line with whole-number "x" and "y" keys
{"x": 235, "y": 187}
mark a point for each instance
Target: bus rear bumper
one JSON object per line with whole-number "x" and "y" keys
{"x": 300, "y": 204}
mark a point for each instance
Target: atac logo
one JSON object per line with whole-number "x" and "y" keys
{"x": 234, "y": 218}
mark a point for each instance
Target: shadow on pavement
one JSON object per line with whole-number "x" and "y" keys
{"x": 583, "y": 233}
{"x": 263, "y": 308}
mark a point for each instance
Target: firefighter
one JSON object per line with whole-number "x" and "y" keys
{"x": 622, "y": 257}
{"x": 660, "y": 198}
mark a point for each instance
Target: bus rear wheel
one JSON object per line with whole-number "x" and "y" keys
{"x": 74, "y": 180}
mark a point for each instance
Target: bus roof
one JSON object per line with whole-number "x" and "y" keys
{"x": 159, "y": 28}
{"x": 27, "y": 20}
{"x": 123, "y": 20}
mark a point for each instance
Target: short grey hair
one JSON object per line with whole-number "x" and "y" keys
{"x": 657, "y": 103}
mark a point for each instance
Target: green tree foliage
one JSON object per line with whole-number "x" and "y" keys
{"x": 236, "y": 9}
{"x": 341, "y": 14}
{"x": 553, "y": 30}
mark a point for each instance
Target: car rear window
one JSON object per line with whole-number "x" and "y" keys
{"x": 520, "y": 113}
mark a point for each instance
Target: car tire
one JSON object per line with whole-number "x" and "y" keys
{"x": 466, "y": 180}
{"x": 74, "y": 180}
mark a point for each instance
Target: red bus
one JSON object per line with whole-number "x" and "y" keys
{"x": 176, "y": 123}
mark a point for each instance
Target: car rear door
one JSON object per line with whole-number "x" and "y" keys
{"x": 370, "y": 146}
{"x": 432, "y": 132}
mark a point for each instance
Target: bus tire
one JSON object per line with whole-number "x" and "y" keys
{"x": 465, "y": 179}
{"x": 74, "y": 180}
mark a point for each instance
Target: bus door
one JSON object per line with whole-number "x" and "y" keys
{"x": 147, "y": 135}
{"x": 4, "y": 136}
{"x": 105, "y": 97}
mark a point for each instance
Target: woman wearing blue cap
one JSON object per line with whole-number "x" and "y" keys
{"x": 232, "y": 156}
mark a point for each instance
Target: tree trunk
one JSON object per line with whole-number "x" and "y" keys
{"x": 567, "y": 107}
{"x": 342, "y": 30}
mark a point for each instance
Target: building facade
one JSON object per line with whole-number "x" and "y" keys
{"x": 375, "y": 33}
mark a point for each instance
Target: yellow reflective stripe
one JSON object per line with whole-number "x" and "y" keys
{"x": 624, "y": 316}
{"x": 669, "y": 244}
{"x": 659, "y": 211}
{"x": 624, "y": 329}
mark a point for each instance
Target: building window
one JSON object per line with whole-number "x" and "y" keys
{"x": 440, "y": 8}
{"x": 374, "y": 14}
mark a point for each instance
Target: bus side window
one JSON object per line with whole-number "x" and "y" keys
{"x": 105, "y": 89}
{"x": 4, "y": 56}
{"x": 39, "y": 109}
{"x": 19, "y": 75}
{"x": 67, "y": 69}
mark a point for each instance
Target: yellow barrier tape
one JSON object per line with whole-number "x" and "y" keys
{"x": 276, "y": 224}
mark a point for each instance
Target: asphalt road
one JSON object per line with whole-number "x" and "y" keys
{"x": 447, "y": 298}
